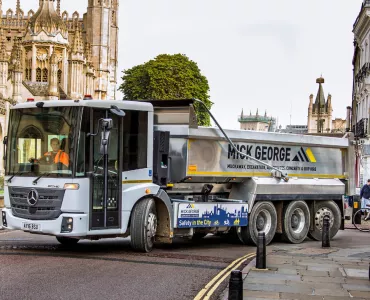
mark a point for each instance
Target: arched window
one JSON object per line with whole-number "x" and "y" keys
{"x": 60, "y": 76}
{"x": 28, "y": 74}
{"x": 38, "y": 75}
{"x": 45, "y": 75}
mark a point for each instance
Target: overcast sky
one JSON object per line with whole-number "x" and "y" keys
{"x": 263, "y": 54}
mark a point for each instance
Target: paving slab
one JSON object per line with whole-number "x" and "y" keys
{"x": 260, "y": 294}
{"x": 258, "y": 274}
{"x": 357, "y": 281}
{"x": 278, "y": 288}
{"x": 316, "y": 285}
{"x": 290, "y": 296}
{"x": 358, "y": 273}
{"x": 343, "y": 298}
{"x": 359, "y": 294}
{"x": 270, "y": 280}
{"x": 324, "y": 279}
{"x": 291, "y": 266}
{"x": 331, "y": 292}
{"x": 288, "y": 271}
{"x": 357, "y": 287}
{"x": 314, "y": 273}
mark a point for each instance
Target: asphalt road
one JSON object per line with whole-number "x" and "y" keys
{"x": 38, "y": 267}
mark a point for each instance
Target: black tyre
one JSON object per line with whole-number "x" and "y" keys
{"x": 296, "y": 222}
{"x": 143, "y": 225}
{"x": 263, "y": 218}
{"x": 322, "y": 209}
{"x": 66, "y": 241}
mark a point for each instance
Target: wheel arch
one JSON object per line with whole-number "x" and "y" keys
{"x": 165, "y": 216}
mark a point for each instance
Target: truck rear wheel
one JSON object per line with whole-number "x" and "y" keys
{"x": 66, "y": 241}
{"x": 263, "y": 218}
{"x": 143, "y": 226}
{"x": 296, "y": 222}
{"x": 322, "y": 209}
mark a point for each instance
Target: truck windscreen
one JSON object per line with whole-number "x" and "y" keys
{"x": 40, "y": 141}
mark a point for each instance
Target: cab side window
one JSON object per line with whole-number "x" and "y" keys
{"x": 135, "y": 140}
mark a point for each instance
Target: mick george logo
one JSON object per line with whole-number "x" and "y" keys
{"x": 305, "y": 156}
{"x": 190, "y": 211}
{"x": 272, "y": 153}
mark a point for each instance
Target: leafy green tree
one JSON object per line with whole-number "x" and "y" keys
{"x": 168, "y": 77}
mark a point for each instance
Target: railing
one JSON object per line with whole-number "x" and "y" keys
{"x": 360, "y": 129}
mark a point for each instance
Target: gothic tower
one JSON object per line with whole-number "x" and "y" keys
{"x": 320, "y": 113}
{"x": 102, "y": 34}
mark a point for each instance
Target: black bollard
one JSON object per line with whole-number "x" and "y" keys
{"x": 326, "y": 232}
{"x": 236, "y": 285}
{"x": 261, "y": 251}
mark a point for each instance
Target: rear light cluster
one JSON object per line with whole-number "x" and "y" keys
{"x": 88, "y": 97}
{"x": 5, "y": 223}
{"x": 30, "y": 100}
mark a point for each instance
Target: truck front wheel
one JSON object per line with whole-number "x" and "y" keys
{"x": 143, "y": 226}
{"x": 322, "y": 209}
{"x": 296, "y": 222}
{"x": 263, "y": 218}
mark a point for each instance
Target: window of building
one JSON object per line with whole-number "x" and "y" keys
{"x": 59, "y": 76}
{"x": 45, "y": 75}
{"x": 28, "y": 74}
{"x": 38, "y": 75}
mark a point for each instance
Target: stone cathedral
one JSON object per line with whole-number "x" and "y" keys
{"x": 50, "y": 54}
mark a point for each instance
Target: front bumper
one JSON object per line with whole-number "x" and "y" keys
{"x": 49, "y": 227}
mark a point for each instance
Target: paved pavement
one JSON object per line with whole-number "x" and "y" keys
{"x": 308, "y": 271}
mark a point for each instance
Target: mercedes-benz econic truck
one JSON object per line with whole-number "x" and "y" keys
{"x": 92, "y": 169}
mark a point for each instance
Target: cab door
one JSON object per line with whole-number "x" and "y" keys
{"x": 105, "y": 213}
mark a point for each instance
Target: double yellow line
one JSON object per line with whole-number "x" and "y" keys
{"x": 210, "y": 288}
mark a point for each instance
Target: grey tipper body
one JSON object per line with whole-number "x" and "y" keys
{"x": 195, "y": 181}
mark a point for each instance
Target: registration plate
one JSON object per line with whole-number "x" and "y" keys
{"x": 31, "y": 226}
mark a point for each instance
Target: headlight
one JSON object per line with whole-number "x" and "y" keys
{"x": 71, "y": 186}
{"x": 5, "y": 223}
{"x": 67, "y": 225}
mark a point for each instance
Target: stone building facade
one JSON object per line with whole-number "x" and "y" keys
{"x": 50, "y": 54}
{"x": 361, "y": 88}
{"x": 320, "y": 114}
{"x": 257, "y": 122}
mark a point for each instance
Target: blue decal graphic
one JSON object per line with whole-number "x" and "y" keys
{"x": 206, "y": 215}
{"x": 150, "y": 173}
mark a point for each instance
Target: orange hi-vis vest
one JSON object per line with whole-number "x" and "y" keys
{"x": 60, "y": 157}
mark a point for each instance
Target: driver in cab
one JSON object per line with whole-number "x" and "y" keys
{"x": 55, "y": 156}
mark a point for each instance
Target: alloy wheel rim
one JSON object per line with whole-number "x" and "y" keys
{"x": 297, "y": 221}
{"x": 263, "y": 221}
{"x": 152, "y": 227}
{"x": 320, "y": 215}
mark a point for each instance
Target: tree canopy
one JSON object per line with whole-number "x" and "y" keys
{"x": 168, "y": 77}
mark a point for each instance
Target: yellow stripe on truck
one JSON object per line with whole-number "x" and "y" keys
{"x": 310, "y": 155}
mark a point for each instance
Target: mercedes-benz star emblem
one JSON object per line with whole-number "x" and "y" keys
{"x": 33, "y": 197}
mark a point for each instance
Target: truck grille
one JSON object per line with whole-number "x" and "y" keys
{"x": 47, "y": 207}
